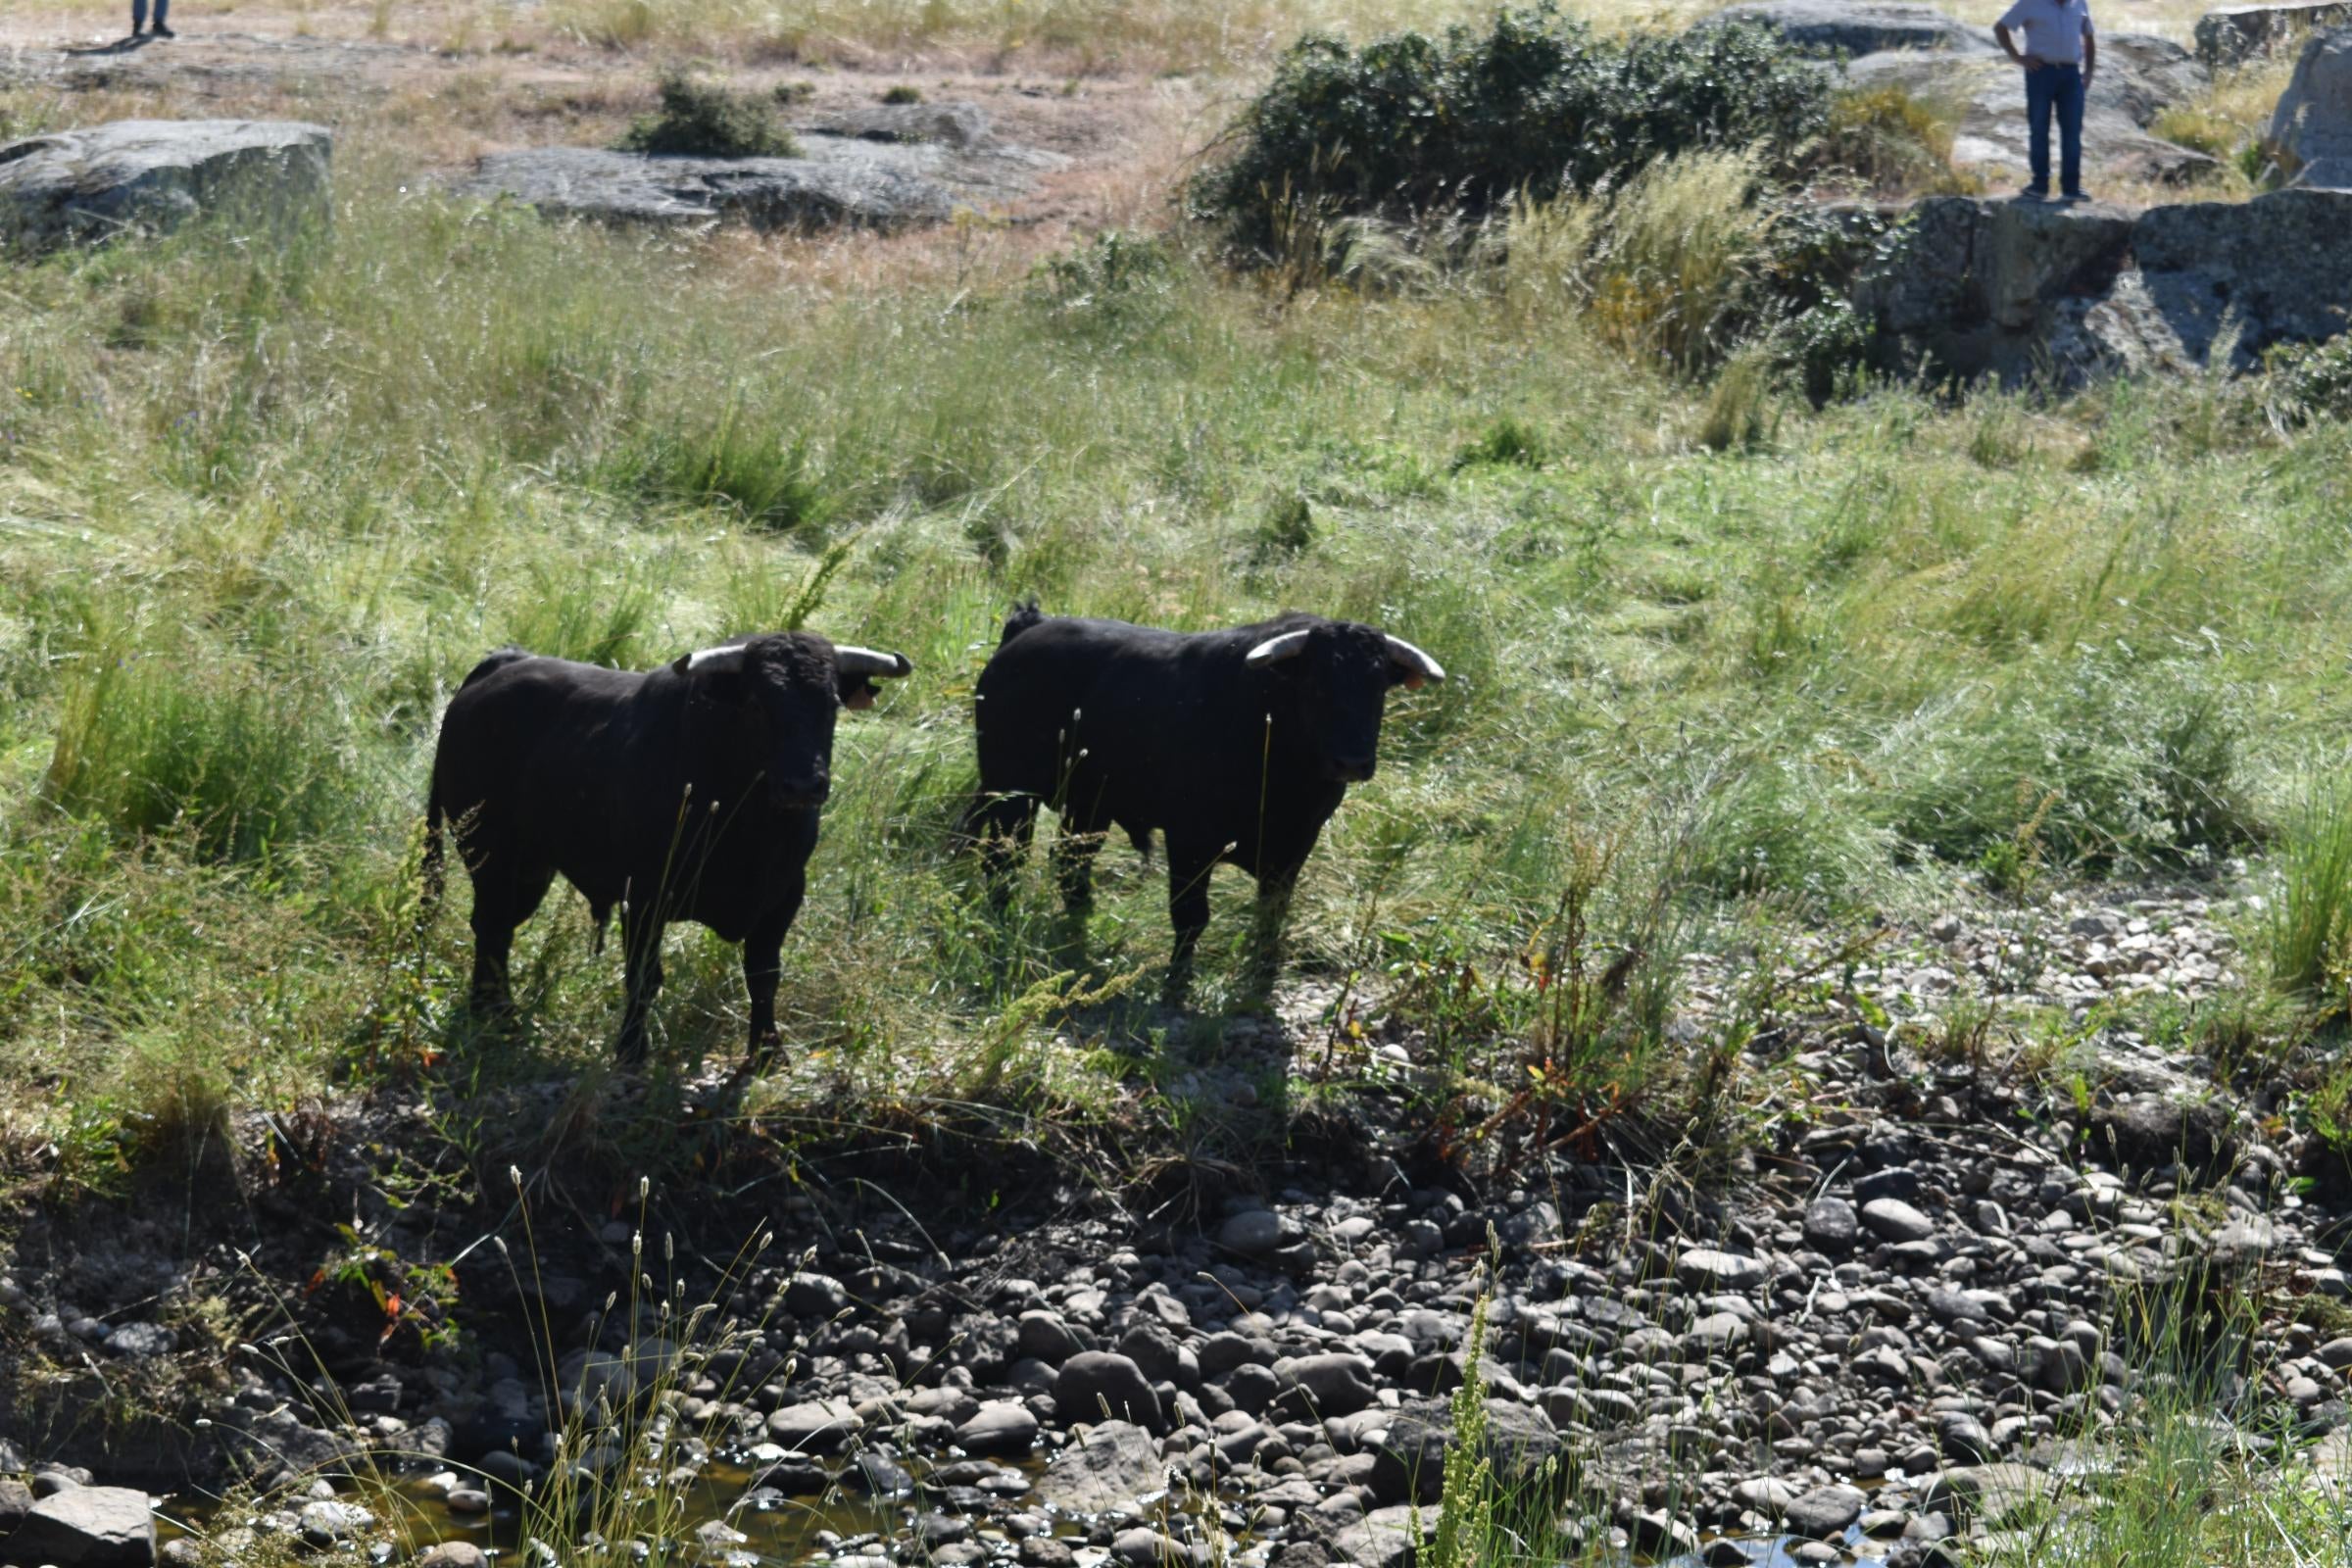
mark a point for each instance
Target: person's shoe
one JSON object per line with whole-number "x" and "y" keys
{"x": 2030, "y": 194}
{"x": 161, "y": 32}
{"x": 2074, "y": 196}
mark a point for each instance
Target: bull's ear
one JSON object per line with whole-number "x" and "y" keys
{"x": 857, "y": 692}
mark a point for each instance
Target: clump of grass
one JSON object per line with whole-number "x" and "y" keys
{"x": 1888, "y": 139}
{"x": 2310, "y": 930}
{"x": 792, "y": 94}
{"x": 903, "y": 93}
{"x": 239, "y": 763}
{"x": 1667, "y": 266}
{"x": 703, "y": 119}
{"x": 1509, "y": 442}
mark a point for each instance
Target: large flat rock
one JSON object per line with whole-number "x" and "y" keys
{"x": 1111, "y": 1467}
{"x": 887, "y": 168}
{"x": 97, "y": 182}
{"x": 87, "y": 1527}
{"x": 2138, "y": 78}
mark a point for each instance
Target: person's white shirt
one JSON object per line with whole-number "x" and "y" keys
{"x": 2052, "y": 30}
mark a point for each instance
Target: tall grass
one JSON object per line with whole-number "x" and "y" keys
{"x": 2309, "y": 936}
{"x": 1835, "y": 658}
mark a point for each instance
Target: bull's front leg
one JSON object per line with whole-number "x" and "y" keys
{"x": 764, "y": 966}
{"x": 1189, "y": 867}
{"x": 1268, "y": 927}
{"x": 641, "y": 940}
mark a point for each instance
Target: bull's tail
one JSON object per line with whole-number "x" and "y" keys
{"x": 1024, "y": 616}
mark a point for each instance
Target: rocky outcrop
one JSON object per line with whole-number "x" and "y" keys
{"x": 2025, "y": 291}
{"x": 1941, "y": 60}
{"x": 2237, "y": 33}
{"x": 1852, "y": 28}
{"x": 889, "y": 166}
{"x": 94, "y": 183}
{"x": 2312, "y": 127}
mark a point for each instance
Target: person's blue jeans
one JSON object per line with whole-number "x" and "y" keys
{"x": 138, "y": 14}
{"x": 2055, "y": 90}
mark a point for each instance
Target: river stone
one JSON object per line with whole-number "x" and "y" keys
{"x": 1893, "y": 1220}
{"x": 1316, "y": 1387}
{"x": 1252, "y": 1233}
{"x": 73, "y": 186}
{"x": 1094, "y": 1384}
{"x": 1707, "y": 1270}
{"x": 1110, "y": 1468}
{"x": 1045, "y": 1336}
{"x": 87, "y": 1527}
{"x": 1409, "y": 1462}
{"x": 1987, "y": 1494}
{"x": 1002, "y": 1426}
{"x": 15, "y": 1501}
{"x": 819, "y": 1426}
{"x": 453, "y": 1554}
{"x": 1825, "y": 1511}
{"x": 2151, "y": 1131}
{"x": 1383, "y": 1538}
{"x": 1145, "y": 1547}
{"x": 325, "y": 1522}
{"x": 1858, "y": 26}
{"x": 1830, "y": 1226}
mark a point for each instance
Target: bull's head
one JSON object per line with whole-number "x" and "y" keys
{"x": 1334, "y": 678}
{"x": 767, "y": 703}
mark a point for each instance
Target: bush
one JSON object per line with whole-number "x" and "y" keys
{"x": 2310, "y": 933}
{"x": 2302, "y": 382}
{"x": 701, "y": 120}
{"x": 1535, "y": 105}
{"x": 904, "y": 94}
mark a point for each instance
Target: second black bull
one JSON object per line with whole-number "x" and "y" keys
{"x": 1235, "y": 746}
{"x": 686, "y": 793}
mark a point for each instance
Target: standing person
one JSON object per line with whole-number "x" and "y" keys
{"x": 2060, "y": 56}
{"x": 138, "y": 18}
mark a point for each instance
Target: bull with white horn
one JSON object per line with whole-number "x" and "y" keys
{"x": 1235, "y": 746}
{"x": 690, "y": 792}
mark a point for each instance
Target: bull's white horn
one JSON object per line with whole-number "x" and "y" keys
{"x": 1274, "y": 649}
{"x": 852, "y": 660}
{"x": 1414, "y": 660}
{"x": 712, "y": 661}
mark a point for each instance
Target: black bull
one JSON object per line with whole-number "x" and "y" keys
{"x": 686, "y": 793}
{"x": 1236, "y": 746}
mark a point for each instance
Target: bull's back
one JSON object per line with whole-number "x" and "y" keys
{"x": 1101, "y": 712}
{"x": 523, "y": 743}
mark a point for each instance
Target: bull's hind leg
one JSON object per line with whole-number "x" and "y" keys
{"x": 1001, "y": 824}
{"x": 641, "y": 951}
{"x": 504, "y": 895}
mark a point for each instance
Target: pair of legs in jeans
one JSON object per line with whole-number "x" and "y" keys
{"x": 2055, "y": 90}
{"x": 138, "y": 18}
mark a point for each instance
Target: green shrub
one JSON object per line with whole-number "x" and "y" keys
{"x": 1116, "y": 278}
{"x": 1410, "y": 124}
{"x": 700, "y": 118}
{"x": 2304, "y": 382}
{"x": 904, "y": 94}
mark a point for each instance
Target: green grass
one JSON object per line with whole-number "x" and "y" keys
{"x": 261, "y": 506}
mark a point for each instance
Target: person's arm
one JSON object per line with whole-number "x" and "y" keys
{"x": 2001, "y": 35}
{"x": 2091, "y": 52}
